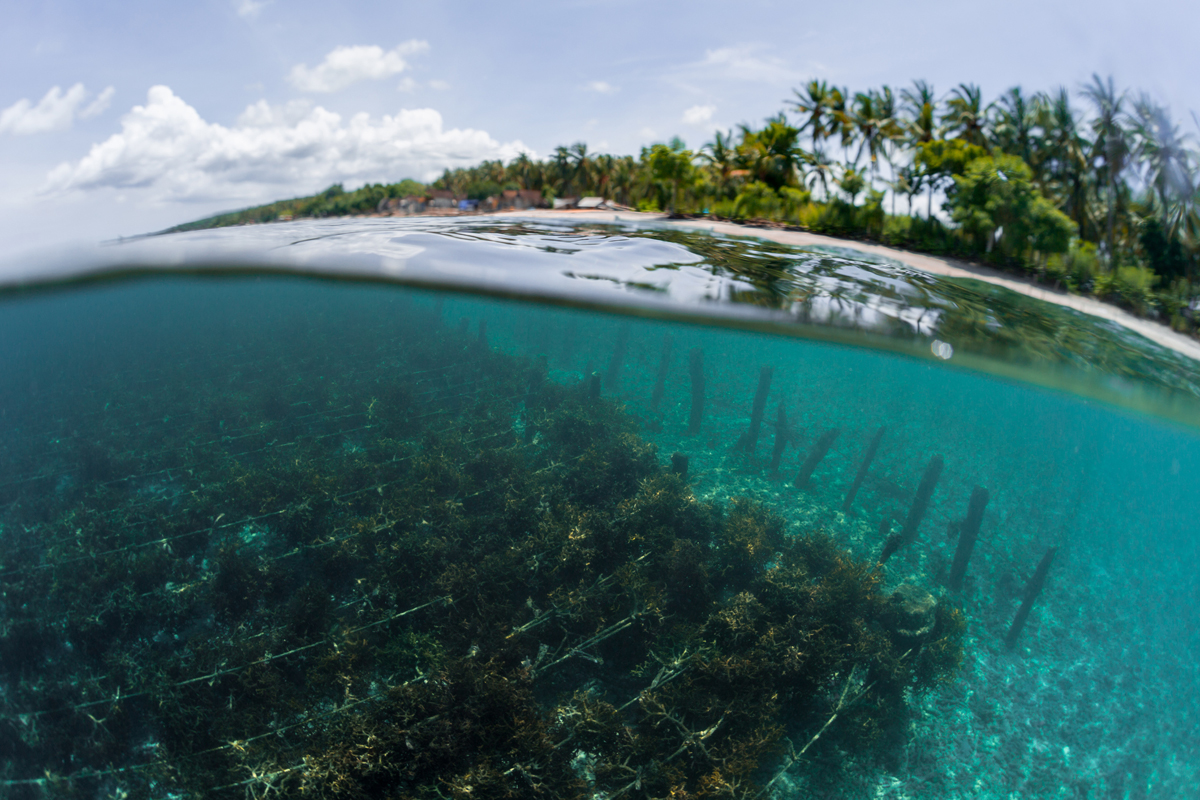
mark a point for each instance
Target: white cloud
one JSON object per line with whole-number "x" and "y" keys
{"x": 441, "y": 86}
{"x": 166, "y": 149}
{"x": 698, "y": 115}
{"x": 99, "y": 105}
{"x": 407, "y": 85}
{"x": 745, "y": 62}
{"x": 56, "y": 111}
{"x": 264, "y": 115}
{"x": 250, "y": 8}
{"x": 346, "y": 65}
{"x": 603, "y": 87}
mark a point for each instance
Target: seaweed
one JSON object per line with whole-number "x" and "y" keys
{"x": 412, "y": 595}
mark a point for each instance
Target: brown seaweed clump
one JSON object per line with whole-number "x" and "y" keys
{"x": 499, "y": 593}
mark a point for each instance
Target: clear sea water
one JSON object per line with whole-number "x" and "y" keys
{"x": 202, "y": 430}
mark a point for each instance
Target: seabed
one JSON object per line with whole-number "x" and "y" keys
{"x": 388, "y": 543}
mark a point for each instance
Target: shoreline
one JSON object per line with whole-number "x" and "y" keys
{"x": 938, "y": 265}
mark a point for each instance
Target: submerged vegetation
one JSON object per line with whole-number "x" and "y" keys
{"x": 1100, "y": 198}
{"x": 424, "y": 570}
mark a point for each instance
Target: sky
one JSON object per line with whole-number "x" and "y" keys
{"x": 124, "y": 118}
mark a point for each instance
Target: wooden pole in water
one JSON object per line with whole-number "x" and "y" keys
{"x": 679, "y": 464}
{"x": 750, "y": 440}
{"x": 664, "y": 365}
{"x": 613, "y": 376}
{"x": 916, "y": 513}
{"x": 1032, "y": 590}
{"x": 696, "y": 370}
{"x": 818, "y": 452}
{"x": 967, "y": 536}
{"x": 863, "y": 469}
{"x": 594, "y": 387}
{"x": 781, "y": 438}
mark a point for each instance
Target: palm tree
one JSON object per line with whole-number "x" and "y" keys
{"x": 624, "y": 179}
{"x": 921, "y": 103}
{"x": 581, "y": 171}
{"x": 865, "y": 119}
{"x": 921, "y": 125}
{"x": 558, "y": 171}
{"x": 965, "y": 114}
{"x": 722, "y": 156}
{"x": 1014, "y": 125}
{"x": 906, "y": 181}
{"x": 874, "y": 118}
{"x": 1111, "y": 144}
{"x": 773, "y": 154}
{"x": 1067, "y": 168}
{"x": 524, "y": 170}
{"x": 840, "y": 121}
{"x": 1163, "y": 153}
{"x": 814, "y": 104}
{"x": 602, "y": 173}
{"x": 820, "y": 170}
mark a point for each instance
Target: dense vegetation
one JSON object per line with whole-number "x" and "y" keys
{"x": 379, "y": 558}
{"x": 1101, "y": 198}
{"x": 333, "y": 202}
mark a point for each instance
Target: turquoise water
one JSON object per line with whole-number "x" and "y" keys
{"x": 262, "y": 532}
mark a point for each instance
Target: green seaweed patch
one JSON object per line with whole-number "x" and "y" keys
{"x": 504, "y": 595}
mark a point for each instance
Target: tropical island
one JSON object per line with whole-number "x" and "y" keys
{"x": 1095, "y": 192}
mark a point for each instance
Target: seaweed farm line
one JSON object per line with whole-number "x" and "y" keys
{"x": 291, "y": 538}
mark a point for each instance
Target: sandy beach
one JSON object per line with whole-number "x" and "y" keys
{"x": 1154, "y": 331}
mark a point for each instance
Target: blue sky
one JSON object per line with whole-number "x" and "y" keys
{"x": 121, "y": 118}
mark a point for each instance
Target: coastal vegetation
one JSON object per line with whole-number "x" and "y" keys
{"x": 1095, "y": 191}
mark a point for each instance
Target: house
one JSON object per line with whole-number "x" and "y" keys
{"x": 518, "y": 199}
{"x": 401, "y": 206}
{"x": 442, "y": 198}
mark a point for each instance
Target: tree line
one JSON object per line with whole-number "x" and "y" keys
{"x": 1096, "y": 190}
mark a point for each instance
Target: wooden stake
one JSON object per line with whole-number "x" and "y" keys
{"x": 818, "y": 452}
{"x": 664, "y": 365}
{"x": 750, "y": 439}
{"x": 863, "y": 469}
{"x": 696, "y": 370}
{"x": 966, "y": 537}
{"x": 1032, "y": 590}
{"x": 916, "y": 513}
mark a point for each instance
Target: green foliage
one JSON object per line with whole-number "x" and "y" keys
{"x": 947, "y": 157}
{"x": 671, "y": 170}
{"x": 1163, "y": 255}
{"x": 332, "y": 202}
{"x": 757, "y": 200}
{"x": 995, "y": 196}
{"x": 1077, "y": 268}
{"x": 1129, "y": 285}
{"x": 852, "y": 183}
{"x": 772, "y": 155}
